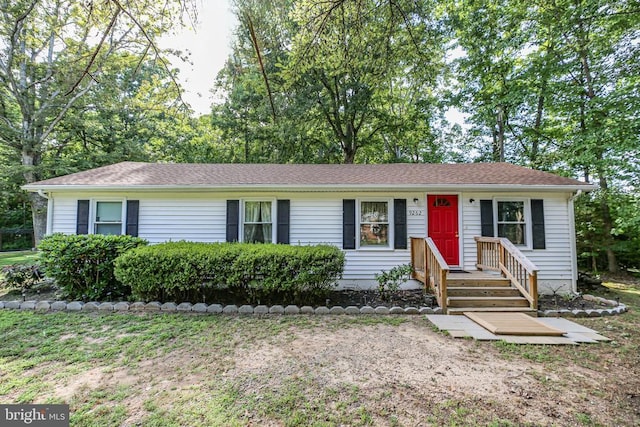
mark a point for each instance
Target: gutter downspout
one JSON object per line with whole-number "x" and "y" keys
{"x": 572, "y": 239}
{"x": 49, "y": 198}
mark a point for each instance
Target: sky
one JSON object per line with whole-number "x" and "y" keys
{"x": 210, "y": 45}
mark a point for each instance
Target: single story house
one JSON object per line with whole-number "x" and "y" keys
{"x": 370, "y": 211}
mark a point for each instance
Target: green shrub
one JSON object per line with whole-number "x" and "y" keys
{"x": 20, "y": 276}
{"x": 389, "y": 282}
{"x": 82, "y": 265}
{"x": 257, "y": 273}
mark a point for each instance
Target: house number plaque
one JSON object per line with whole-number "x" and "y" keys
{"x": 416, "y": 212}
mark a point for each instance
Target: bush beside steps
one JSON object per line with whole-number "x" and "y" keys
{"x": 257, "y": 273}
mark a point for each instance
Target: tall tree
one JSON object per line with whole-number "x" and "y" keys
{"x": 553, "y": 85}
{"x": 601, "y": 97}
{"x": 323, "y": 81}
{"x": 52, "y": 52}
{"x": 363, "y": 61}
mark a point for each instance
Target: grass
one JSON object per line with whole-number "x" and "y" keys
{"x": 618, "y": 360}
{"x": 21, "y": 257}
{"x": 42, "y": 353}
{"x": 175, "y": 370}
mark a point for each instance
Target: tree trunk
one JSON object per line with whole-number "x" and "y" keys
{"x": 38, "y": 203}
{"x": 349, "y": 143}
{"x": 39, "y": 216}
{"x": 607, "y": 226}
{"x": 535, "y": 143}
{"x": 590, "y": 94}
{"x": 349, "y": 156}
{"x": 501, "y": 125}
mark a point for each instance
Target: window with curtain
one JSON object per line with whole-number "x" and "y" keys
{"x": 108, "y": 218}
{"x": 374, "y": 224}
{"x": 511, "y": 221}
{"x": 258, "y": 222}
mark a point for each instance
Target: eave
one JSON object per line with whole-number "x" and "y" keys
{"x": 309, "y": 188}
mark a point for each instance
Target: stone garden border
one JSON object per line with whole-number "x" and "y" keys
{"x": 258, "y": 310}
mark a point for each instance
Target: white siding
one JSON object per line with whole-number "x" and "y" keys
{"x": 554, "y": 262}
{"x": 201, "y": 220}
{"x": 64, "y": 214}
{"x": 317, "y": 218}
{"x": 161, "y": 217}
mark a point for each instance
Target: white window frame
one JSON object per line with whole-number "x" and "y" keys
{"x": 274, "y": 224}
{"x": 93, "y": 210}
{"x": 528, "y": 229}
{"x": 390, "y": 222}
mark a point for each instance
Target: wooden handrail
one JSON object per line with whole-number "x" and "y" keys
{"x": 437, "y": 270}
{"x": 418, "y": 261}
{"x": 499, "y": 254}
{"x": 430, "y": 267}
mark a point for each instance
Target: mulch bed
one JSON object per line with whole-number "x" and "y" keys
{"x": 357, "y": 298}
{"x": 418, "y": 298}
{"x": 409, "y": 298}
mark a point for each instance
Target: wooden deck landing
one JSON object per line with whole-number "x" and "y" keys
{"x": 462, "y": 276}
{"x": 513, "y": 324}
{"x": 471, "y": 276}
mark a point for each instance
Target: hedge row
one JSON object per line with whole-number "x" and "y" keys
{"x": 83, "y": 264}
{"x": 259, "y": 273}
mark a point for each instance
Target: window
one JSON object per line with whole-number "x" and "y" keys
{"x": 374, "y": 224}
{"x": 441, "y": 202}
{"x": 511, "y": 221}
{"x": 108, "y": 218}
{"x": 258, "y": 222}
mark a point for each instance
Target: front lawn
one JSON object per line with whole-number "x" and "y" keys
{"x": 20, "y": 257}
{"x": 176, "y": 370}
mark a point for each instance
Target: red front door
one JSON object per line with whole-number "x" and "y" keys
{"x": 442, "y": 211}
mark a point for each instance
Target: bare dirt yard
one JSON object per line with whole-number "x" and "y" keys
{"x": 179, "y": 370}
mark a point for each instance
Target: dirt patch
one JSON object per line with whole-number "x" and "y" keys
{"x": 427, "y": 366}
{"x": 398, "y": 366}
{"x": 93, "y": 379}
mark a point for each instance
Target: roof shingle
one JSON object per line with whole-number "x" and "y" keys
{"x": 134, "y": 174}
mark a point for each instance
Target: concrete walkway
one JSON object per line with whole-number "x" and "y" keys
{"x": 463, "y": 327}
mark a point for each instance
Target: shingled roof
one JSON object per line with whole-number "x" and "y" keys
{"x": 133, "y": 175}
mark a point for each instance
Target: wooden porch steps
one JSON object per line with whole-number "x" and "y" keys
{"x": 479, "y": 291}
{"x": 461, "y": 310}
{"x": 482, "y": 291}
{"x": 501, "y": 302}
{"x": 505, "y": 280}
{"x": 474, "y": 280}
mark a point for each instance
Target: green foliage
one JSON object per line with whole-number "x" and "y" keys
{"x": 361, "y": 75}
{"x": 20, "y": 276}
{"x": 82, "y": 265}
{"x": 15, "y": 239}
{"x": 65, "y": 63}
{"x": 263, "y": 273}
{"x": 390, "y": 281}
{"x": 592, "y": 239}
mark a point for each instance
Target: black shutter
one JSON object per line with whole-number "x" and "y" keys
{"x": 233, "y": 220}
{"x": 283, "y": 221}
{"x": 486, "y": 218}
{"x": 348, "y": 224}
{"x": 400, "y": 223}
{"x": 133, "y": 207}
{"x": 82, "y": 218}
{"x": 537, "y": 220}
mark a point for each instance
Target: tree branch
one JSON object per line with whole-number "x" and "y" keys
{"x": 155, "y": 49}
{"x": 254, "y": 41}
{"x": 107, "y": 31}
